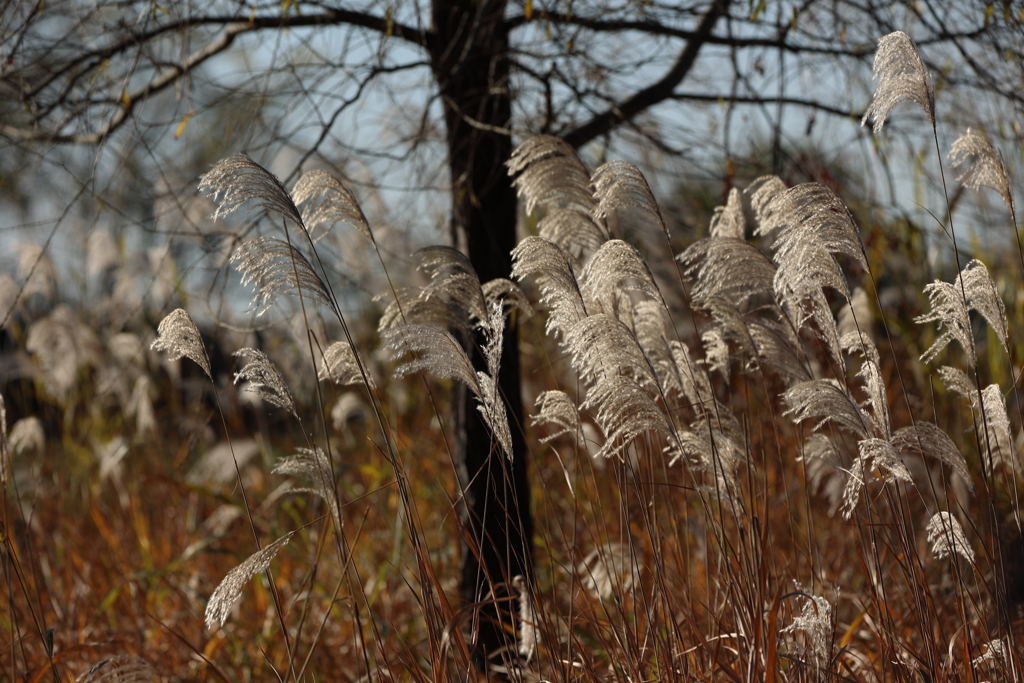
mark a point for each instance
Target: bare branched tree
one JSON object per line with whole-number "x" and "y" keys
{"x": 469, "y": 77}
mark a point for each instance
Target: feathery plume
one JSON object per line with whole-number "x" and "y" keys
{"x": 926, "y": 438}
{"x": 433, "y": 349}
{"x": 408, "y": 306}
{"x": 312, "y": 465}
{"x": 507, "y": 293}
{"x": 492, "y": 408}
{"x": 997, "y": 425}
{"x": 724, "y": 266}
{"x": 491, "y": 405}
{"x": 950, "y": 310}
{"x": 573, "y": 230}
{"x": 341, "y": 367}
{"x": 618, "y": 184}
{"x": 995, "y": 651}
{"x": 779, "y": 349}
{"x": 649, "y": 325}
{"x": 624, "y": 411}
{"x": 529, "y": 633}
{"x": 221, "y": 464}
{"x": 860, "y": 342}
{"x": 987, "y": 170}
{"x": 946, "y": 537}
{"x": 816, "y": 622}
{"x": 237, "y": 179}
{"x": 872, "y": 454}
{"x": 124, "y": 668}
{"x": 602, "y": 346}
{"x": 27, "y": 434}
{"x": 822, "y": 463}
{"x": 707, "y": 448}
{"x": 557, "y": 409}
{"x": 825, "y": 400}
{"x": 957, "y": 381}
{"x": 762, "y": 191}
{"x": 560, "y": 292}
{"x": 610, "y": 265}
{"x": 608, "y": 569}
{"x": 230, "y": 588}
{"x": 874, "y": 385}
{"x": 264, "y": 380}
{"x": 273, "y": 267}
{"x": 716, "y": 350}
{"x": 178, "y": 335}
{"x": 731, "y": 324}
{"x": 54, "y": 341}
{"x": 901, "y": 76}
{"x": 548, "y": 172}
{"x": 813, "y": 224}
{"x": 326, "y": 202}
{"x": 728, "y": 220}
{"x": 453, "y": 278}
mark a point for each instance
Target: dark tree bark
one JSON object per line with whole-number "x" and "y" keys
{"x": 470, "y": 59}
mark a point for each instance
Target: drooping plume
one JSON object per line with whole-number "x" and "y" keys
{"x": 273, "y": 267}
{"x": 761, "y": 192}
{"x": 723, "y": 266}
{"x": 618, "y": 184}
{"x": 811, "y": 225}
{"x": 230, "y": 588}
{"x": 264, "y": 380}
{"x": 624, "y": 411}
{"x": 987, "y": 169}
{"x": 951, "y": 311}
{"x": 560, "y": 292}
{"x": 549, "y": 173}
{"x": 825, "y": 401}
{"x": 326, "y": 202}
{"x": 453, "y": 279}
{"x": 901, "y": 76}
{"x": 314, "y": 467}
{"x": 341, "y": 367}
{"x": 728, "y": 220}
{"x": 436, "y": 351}
{"x": 238, "y": 179}
{"x": 946, "y": 537}
{"x": 602, "y": 346}
{"x": 123, "y": 668}
{"x": 611, "y": 267}
{"x": 178, "y": 335}
{"x": 927, "y": 439}
{"x": 872, "y": 454}
{"x": 558, "y": 410}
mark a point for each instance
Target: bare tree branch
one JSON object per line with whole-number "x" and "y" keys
{"x": 649, "y": 96}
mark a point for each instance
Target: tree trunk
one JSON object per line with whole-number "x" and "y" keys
{"x": 470, "y": 62}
